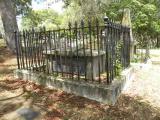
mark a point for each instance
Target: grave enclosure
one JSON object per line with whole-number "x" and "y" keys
{"x": 88, "y": 53}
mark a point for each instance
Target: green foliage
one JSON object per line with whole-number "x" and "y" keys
{"x": 144, "y": 13}
{"x": 137, "y": 58}
{"x": 41, "y": 18}
{"x": 23, "y": 7}
{"x": 84, "y": 9}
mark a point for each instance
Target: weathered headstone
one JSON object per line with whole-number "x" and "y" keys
{"x": 126, "y": 21}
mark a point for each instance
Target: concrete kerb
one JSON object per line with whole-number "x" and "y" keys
{"x": 107, "y": 94}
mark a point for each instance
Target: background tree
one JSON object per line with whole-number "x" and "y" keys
{"x": 145, "y": 19}
{"x": 8, "y": 16}
{"x": 8, "y": 11}
{"x": 41, "y": 18}
{"x": 75, "y": 10}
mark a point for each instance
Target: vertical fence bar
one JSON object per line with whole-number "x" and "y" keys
{"x": 20, "y": 49}
{"x": 94, "y": 36}
{"x": 33, "y": 49}
{"x": 84, "y": 49}
{"x": 123, "y": 47}
{"x": 116, "y": 50}
{"x": 29, "y": 48}
{"x": 25, "y": 50}
{"x": 60, "y": 51}
{"x": 55, "y": 53}
{"x": 77, "y": 55}
{"x": 21, "y": 46}
{"x": 120, "y": 34}
{"x": 46, "y": 50}
{"x": 17, "y": 49}
{"x": 98, "y": 47}
{"x": 31, "y": 43}
{"x": 71, "y": 55}
{"x": 111, "y": 50}
{"x": 50, "y": 52}
{"x": 91, "y": 50}
{"x": 36, "y": 50}
{"x": 106, "y": 22}
{"x": 114, "y": 47}
{"x": 41, "y": 49}
{"x": 65, "y": 51}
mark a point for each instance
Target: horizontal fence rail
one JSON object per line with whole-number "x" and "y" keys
{"x": 90, "y": 52}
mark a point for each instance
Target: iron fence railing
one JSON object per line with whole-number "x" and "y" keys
{"x": 80, "y": 52}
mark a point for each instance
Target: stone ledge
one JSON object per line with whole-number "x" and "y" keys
{"x": 107, "y": 94}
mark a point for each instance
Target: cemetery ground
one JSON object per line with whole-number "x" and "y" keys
{"x": 23, "y": 100}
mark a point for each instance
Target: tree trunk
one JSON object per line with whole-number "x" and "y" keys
{"x": 8, "y": 16}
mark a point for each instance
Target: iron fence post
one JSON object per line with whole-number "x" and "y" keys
{"x": 17, "y": 51}
{"x": 106, "y": 23}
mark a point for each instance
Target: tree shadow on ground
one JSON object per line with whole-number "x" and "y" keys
{"x": 59, "y": 104}
{"x": 8, "y": 107}
{"x": 5, "y": 54}
{"x": 7, "y": 63}
{"x": 6, "y": 70}
{"x": 7, "y": 101}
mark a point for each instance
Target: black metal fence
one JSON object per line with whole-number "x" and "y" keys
{"x": 87, "y": 52}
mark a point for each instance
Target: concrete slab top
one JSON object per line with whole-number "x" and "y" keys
{"x": 81, "y": 52}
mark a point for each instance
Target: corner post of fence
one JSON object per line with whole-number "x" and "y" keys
{"x": 16, "y": 44}
{"x": 71, "y": 50}
{"x": 106, "y": 23}
{"x": 129, "y": 46}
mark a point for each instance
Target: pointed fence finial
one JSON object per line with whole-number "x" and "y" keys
{"x": 97, "y": 22}
{"x": 82, "y": 23}
{"x": 69, "y": 25}
{"x": 106, "y": 20}
{"x": 76, "y": 24}
{"x": 44, "y": 28}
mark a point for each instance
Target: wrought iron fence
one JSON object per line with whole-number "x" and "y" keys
{"x": 87, "y": 52}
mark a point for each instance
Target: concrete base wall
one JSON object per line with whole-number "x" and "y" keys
{"x": 107, "y": 94}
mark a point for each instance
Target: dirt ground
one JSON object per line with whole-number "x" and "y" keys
{"x": 22, "y": 100}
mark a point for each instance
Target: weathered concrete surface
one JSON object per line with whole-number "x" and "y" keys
{"x": 63, "y": 63}
{"x": 102, "y": 93}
